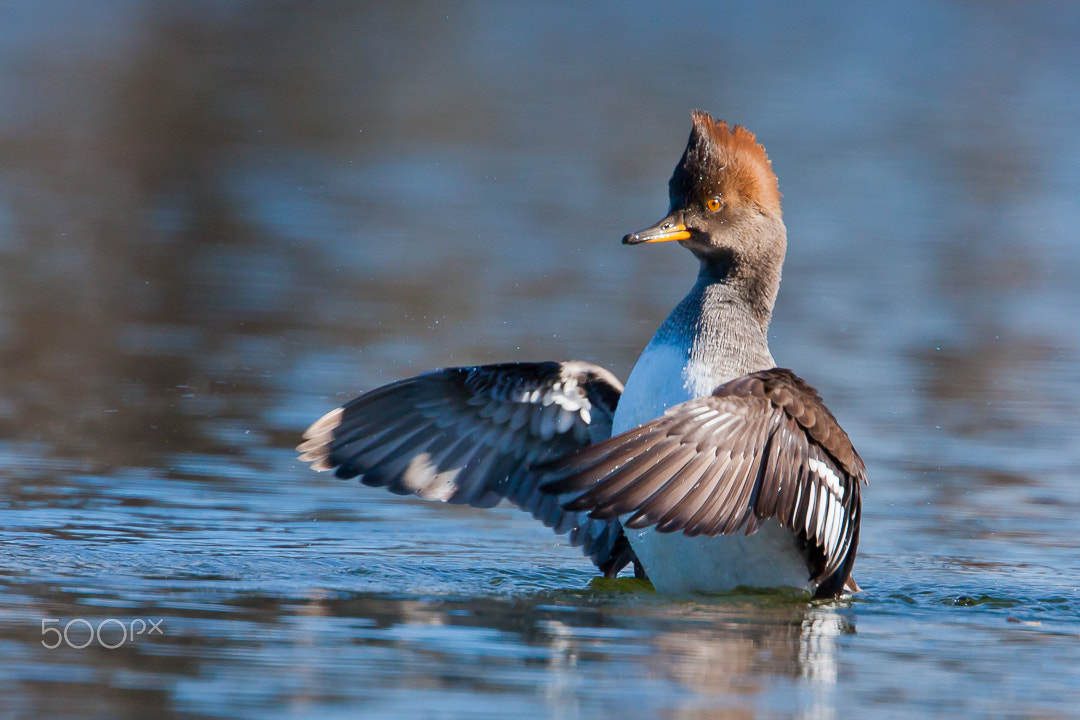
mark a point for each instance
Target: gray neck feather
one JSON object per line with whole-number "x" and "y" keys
{"x": 719, "y": 326}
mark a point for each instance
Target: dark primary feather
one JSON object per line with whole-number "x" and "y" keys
{"x": 471, "y": 434}
{"x": 761, "y": 446}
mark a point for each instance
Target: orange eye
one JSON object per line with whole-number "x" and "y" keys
{"x": 712, "y": 204}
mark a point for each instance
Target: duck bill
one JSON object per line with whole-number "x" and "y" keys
{"x": 667, "y": 230}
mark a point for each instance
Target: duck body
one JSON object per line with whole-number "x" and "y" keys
{"x": 709, "y": 339}
{"x": 712, "y": 469}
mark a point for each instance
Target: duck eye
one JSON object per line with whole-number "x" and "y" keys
{"x": 713, "y": 204}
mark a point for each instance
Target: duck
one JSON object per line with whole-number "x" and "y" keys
{"x": 710, "y": 471}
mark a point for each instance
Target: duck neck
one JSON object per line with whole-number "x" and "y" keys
{"x": 721, "y": 327}
{"x": 711, "y": 337}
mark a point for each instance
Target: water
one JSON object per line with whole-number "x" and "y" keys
{"x": 218, "y": 223}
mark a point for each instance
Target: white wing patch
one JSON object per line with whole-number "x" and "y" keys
{"x": 562, "y": 405}
{"x": 829, "y": 521}
{"x": 422, "y": 476}
{"x": 823, "y": 471}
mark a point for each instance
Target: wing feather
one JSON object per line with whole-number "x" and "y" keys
{"x": 761, "y": 446}
{"x": 470, "y": 435}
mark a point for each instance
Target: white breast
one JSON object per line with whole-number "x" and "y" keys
{"x": 664, "y": 375}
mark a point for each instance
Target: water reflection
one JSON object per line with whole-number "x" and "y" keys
{"x": 687, "y": 658}
{"x": 752, "y": 656}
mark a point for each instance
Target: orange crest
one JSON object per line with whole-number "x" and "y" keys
{"x": 726, "y": 162}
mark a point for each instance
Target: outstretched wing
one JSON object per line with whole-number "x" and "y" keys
{"x": 471, "y": 434}
{"x": 761, "y": 446}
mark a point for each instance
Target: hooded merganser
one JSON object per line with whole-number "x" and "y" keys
{"x": 723, "y": 471}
